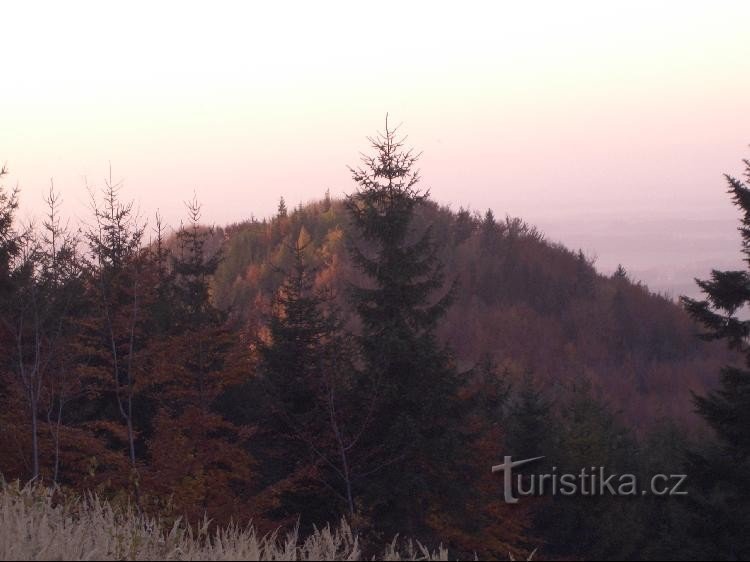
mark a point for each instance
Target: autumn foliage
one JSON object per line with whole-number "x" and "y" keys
{"x": 370, "y": 357}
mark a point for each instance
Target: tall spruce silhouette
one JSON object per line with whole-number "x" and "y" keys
{"x": 721, "y": 472}
{"x": 399, "y": 308}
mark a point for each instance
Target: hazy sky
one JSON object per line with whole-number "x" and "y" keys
{"x": 569, "y": 113}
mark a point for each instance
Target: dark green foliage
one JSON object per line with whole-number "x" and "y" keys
{"x": 620, "y": 273}
{"x": 9, "y": 239}
{"x": 464, "y": 226}
{"x": 582, "y": 433}
{"x": 300, "y": 335}
{"x": 193, "y": 269}
{"x": 411, "y": 375}
{"x": 490, "y": 232}
{"x": 721, "y": 470}
{"x": 306, "y": 402}
{"x": 585, "y": 276}
{"x": 530, "y": 425}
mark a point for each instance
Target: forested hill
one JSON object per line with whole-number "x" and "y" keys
{"x": 534, "y": 307}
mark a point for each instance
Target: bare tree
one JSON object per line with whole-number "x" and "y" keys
{"x": 38, "y": 314}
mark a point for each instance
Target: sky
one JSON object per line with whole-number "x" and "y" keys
{"x": 609, "y": 125}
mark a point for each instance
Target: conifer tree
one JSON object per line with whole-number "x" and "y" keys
{"x": 9, "y": 239}
{"x": 464, "y": 226}
{"x": 489, "y": 232}
{"x": 313, "y": 417}
{"x": 115, "y": 332}
{"x": 529, "y": 432}
{"x": 282, "y": 210}
{"x": 197, "y": 456}
{"x": 721, "y": 472}
{"x": 620, "y": 273}
{"x": 410, "y": 373}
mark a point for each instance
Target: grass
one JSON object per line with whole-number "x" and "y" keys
{"x": 37, "y": 524}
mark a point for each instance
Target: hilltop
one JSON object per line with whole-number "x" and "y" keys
{"x": 535, "y": 307}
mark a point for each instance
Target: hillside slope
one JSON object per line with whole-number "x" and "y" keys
{"x": 533, "y": 306}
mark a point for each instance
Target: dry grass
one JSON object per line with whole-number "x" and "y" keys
{"x": 36, "y": 526}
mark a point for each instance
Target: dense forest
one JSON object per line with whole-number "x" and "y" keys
{"x": 369, "y": 358}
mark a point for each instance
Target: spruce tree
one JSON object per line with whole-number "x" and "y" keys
{"x": 721, "y": 472}
{"x": 9, "y": 239}
{"x": 464, "y": 226}
{"x": 193, "y": 268}
{"x": 9, "y": 249}
{"x": 197, "y": 457}
{"x": 282, "y": 210}
{"x": 489, "y": 232}
{"x": 312, "y": 416}
{"x": 620, "y": 274}
{"x": 399, "y": 308}
{"x": 529, "y": 431}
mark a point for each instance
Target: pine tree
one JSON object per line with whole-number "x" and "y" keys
{"x": 722, "y": 471}
{"x": 411, "y": 375}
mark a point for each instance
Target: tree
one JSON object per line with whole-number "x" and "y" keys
{"x": 197, "y": 457}
{"x": 601, "y": 527}
{"x": 490, "y": 232}
{"x": 116, "y": 334}
{"x": 464, "y": 226}
{"x": 620, "y": 273}
{"x": 282, "y": 210}
{"x": 530, "y": 425}
{"x": 311, "y": 418}
{"x": 9, "y": 238}
{"x": 10, "y": 249}
{"x": 721, "y": 470}
{"x": 46, "y": 278}
{"x": 411, "y": 375}
{"x": 585, "y": 282}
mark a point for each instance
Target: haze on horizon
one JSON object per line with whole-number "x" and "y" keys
{"x": 609, "y": 128}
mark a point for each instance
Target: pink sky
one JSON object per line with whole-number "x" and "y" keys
{"x": 563, "y": 115}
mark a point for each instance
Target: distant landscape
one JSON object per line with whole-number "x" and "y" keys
{"x": 356, "y": 281}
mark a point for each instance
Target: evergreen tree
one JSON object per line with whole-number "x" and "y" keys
{"x": 529, "y": 433}
{"x": 585, "y": 276}
{"x": 311, "y": 417}
{"x": 9, "y": 239}
{"x": 115, "y": 332}
{"x": 163, "y": 311}
{"x": 490, "y": 232}
{"x": 620, "y": 273}
{"x": 196, "y": 456}
{"x": 412, "y": 376}
{"x": 9, "y": 249}
{"x": 464, "y": 226}
{"x": 721, "y": 472}
{"x": 282, "y": 210}
{"x": 591, "y": 526}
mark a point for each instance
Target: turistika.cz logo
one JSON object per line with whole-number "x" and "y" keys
{"x": 590, "y": 481}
